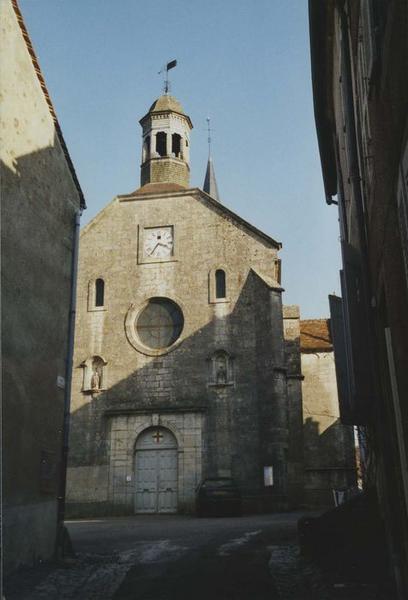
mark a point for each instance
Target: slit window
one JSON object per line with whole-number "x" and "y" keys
{"x": 99, "y": 292}
{"x": 220, "y": 286}
{"x": 161, "y": 143}
{"x": 176, "y": 144}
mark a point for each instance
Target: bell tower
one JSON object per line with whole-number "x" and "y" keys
{"x": 166, "y": 143}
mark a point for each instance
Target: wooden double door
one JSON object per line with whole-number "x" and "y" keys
{"x": 156, "y": 478}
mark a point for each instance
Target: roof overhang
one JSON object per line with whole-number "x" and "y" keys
{"x": 149, "y": 115}
{"x": 41, "y": 80}
{"x": 321, "y": 27}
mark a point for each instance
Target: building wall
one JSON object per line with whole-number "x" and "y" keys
{"x": 291, "y": 325}
{"x": 361, "y": 95}
{"x": 159, "y": 170}
{"x": 378, "y": 101}
{"x": 321, "y": 450}
{"x": 176, "y": 386}
{"x": 329, "y": 460}
{"x": 39, "y": 202}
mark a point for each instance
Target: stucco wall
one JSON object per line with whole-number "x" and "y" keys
{"x": 328, "y": 445}
{"x": 39, "y": 200}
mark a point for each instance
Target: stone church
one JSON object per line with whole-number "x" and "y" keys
{"x": 180, "y": 364}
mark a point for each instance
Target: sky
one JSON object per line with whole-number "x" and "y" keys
{"x": 243, "y": 63}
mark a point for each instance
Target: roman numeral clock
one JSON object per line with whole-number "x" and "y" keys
{"x": 158, "y": 242}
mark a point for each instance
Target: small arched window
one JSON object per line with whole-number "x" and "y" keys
{"x": 220, "y": 284}
{"x": 176, "y": 144}
{"x": 161, "y": 143}
{"x": 99, "y": 292}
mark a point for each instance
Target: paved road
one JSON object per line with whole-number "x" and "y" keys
{"x": 180, "y": 558}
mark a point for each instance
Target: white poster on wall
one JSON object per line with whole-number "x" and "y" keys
{"x": 268, "y": 476}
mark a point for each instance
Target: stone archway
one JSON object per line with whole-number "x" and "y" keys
{"x": 156, "y": 481}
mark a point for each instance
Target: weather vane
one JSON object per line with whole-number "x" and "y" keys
{"x": 209, "y": 135}
{"x": 166, "y": 69}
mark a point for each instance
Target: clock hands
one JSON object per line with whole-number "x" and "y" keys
{"x": 165, "y": 245}
{"x": 159, "y": 244}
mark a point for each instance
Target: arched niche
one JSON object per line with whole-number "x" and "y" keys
{"x": 221, "y": 369}
{"x": 94, "y": 374}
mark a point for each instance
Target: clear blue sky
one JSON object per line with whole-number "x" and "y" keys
{"x": 244, "y": 63}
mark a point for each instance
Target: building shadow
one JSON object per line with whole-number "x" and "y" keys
{"x": 243, "y": 418}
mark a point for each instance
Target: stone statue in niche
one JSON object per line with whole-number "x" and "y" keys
{"x": 94, "y": 374}
{"x": 97, "y": 372}
{"x": 221, "y": 368}
{"x": 95, "y": 380}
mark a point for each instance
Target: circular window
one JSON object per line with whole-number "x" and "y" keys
{"x": 160, "y": 323}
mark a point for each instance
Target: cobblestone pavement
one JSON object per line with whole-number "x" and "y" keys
{"x": 175, "y": 558}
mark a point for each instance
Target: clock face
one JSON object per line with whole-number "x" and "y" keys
{"x": 158, "y": 242}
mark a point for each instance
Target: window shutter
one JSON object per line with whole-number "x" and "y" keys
{"x": 340, "y": 357}
{"x": 357, "y": 335}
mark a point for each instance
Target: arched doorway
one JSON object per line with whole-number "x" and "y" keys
{"x": 156, "y": 471}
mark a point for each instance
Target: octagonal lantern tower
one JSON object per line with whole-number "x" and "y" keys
{"x": 166, "y": 143}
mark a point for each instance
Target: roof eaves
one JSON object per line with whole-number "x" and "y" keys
{"x": 272, "y": 284}
{"x": 230, "y": 213}
{"x": 321, "y": 23}
{"x": 166, "y": 112}
{"x": 47, "y": 97}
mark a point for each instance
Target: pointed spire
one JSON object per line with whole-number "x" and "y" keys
{"x": 210, "y": 183}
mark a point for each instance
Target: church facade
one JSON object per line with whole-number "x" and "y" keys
{"x": 179, "y": 366}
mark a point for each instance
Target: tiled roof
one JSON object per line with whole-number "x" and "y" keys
{"x": 41, "y": 80}
{"x": 158, "y": 188}
{"x": 315, "y": 335}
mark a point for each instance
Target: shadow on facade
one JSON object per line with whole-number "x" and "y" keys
{"x": 245, "y": 416}
{"x": 37, "y": 229}
{"x": 329, "y": 462}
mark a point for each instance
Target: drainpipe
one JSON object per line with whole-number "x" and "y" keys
{"x": 62, "y": 539}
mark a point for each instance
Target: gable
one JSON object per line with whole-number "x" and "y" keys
{"x": 209, "y": 203}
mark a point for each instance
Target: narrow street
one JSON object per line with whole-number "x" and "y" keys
{"x": 180, "y": 558}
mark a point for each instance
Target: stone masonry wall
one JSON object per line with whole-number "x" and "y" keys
{"x": 163, "y": 170}
{"x": 177, "y": 382}
{"x": 291, "y": 324}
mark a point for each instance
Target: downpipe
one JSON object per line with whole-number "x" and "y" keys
{"x": 63, "y": 546}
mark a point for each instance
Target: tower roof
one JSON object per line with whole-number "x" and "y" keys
{"x": 166, "y": 102}
{"x": 210, "y": 183}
